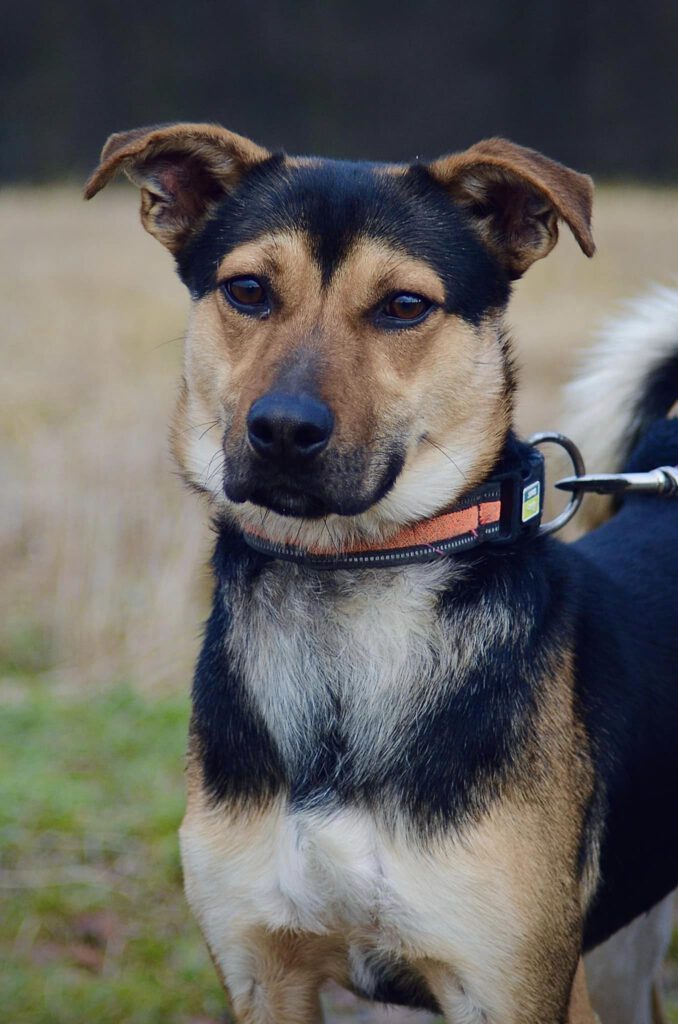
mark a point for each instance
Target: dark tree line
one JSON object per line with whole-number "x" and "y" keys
{"x": 592, "y": 83}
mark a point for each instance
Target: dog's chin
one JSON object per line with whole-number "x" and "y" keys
{"x": 290, "y": 503}
{"x": 296, "y": 502}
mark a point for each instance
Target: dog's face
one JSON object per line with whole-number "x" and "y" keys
{"x": 345, "y": 371}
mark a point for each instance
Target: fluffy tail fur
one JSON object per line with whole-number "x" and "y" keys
{"x": 628, "y": 380}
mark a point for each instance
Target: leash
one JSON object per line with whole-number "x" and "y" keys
{"x": 507, "y": 507}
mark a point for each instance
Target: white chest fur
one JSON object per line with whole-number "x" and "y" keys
{"x": 362, "y": 648}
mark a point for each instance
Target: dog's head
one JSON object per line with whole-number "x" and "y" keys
{"x": 345, "y": 366}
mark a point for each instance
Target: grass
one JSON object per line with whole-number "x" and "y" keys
{"x": 94, "y": 924}
{"x": 103, "y": 587}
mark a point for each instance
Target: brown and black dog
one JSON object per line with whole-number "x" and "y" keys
{"x": 419, "y": 764}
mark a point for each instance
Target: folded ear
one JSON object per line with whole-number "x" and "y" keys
{"x": 516, "y": 197}
{"x": 183, "y": 170}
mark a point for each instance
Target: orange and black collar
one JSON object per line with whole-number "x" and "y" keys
{"x": 507, "y": 506}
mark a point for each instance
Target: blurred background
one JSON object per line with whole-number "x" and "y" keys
{"x": 103, "y": 556}
{"x": 592, "y": 82}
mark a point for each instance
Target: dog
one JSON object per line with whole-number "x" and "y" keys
{"x": 432, "y": 752}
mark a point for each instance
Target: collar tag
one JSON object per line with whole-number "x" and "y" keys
{"x": 522, "y": 497}
{"x": 531, "y": 501}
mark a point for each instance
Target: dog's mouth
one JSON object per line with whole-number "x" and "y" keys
{"x": 312, "y": 495}
{"x": 288, "y": 501}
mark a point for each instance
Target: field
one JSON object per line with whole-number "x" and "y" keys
{"x": 104, "y": 587}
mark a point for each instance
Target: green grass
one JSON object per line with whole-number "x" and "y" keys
{"x": 93, "y": 923}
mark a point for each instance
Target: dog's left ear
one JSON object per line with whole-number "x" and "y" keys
{"x": 515, "y": 197}
{"x": 182, "y": 170}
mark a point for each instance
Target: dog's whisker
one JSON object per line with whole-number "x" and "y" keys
{"x": 447, "y": 455}
{"x": 301, "y": 526}
{"x": 209, "y": 464}
{"x": 219, "y": 468}
{"x": 211, "y": 426}
{"x": 170, "y": 341}
{"x": 327, "y": 531}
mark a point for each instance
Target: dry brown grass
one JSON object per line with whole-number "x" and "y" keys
{"x": 102, "y": 554}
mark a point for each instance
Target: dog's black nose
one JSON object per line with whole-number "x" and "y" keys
{"x": 291, "y": 427}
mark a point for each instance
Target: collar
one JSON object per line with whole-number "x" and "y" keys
{"x": 507, "y": 506}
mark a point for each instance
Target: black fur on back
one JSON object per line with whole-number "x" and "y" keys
{"x": 627, "y": 671}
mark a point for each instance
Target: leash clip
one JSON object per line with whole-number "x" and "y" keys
{"x": 577, "y": 496}
{"x": 663, "y": 480}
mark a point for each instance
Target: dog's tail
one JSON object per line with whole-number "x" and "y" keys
{"x": 628, "y": 380}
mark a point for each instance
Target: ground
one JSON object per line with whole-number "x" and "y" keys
{"x": 104, "y": 588}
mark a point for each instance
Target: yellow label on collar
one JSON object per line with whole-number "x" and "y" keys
{"x": 531, "y": 501}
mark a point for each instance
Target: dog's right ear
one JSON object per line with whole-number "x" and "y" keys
{"x": 183, "y": 171}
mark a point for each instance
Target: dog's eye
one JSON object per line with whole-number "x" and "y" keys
{"x": 407, "y": 308}
{"x": 247, "y": 294}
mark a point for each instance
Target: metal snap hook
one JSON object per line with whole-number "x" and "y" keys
{"x": 663, "y": 481}
{"x": 577, "y": 459}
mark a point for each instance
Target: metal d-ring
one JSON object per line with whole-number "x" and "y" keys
{"x": 553, "y": 437}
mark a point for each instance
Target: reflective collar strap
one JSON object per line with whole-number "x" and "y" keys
{"x": 507, "y": 506}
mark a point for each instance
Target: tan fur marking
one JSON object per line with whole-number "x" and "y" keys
{"x": 288, "y": 970}
{"x": 439, "y": 389}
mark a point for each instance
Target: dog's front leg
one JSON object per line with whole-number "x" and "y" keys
{"x": 545, "y": 997}
{"x": 271, "y": 970}
{"x": 275, "y": 978}
{"x": 276, "y": 983}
